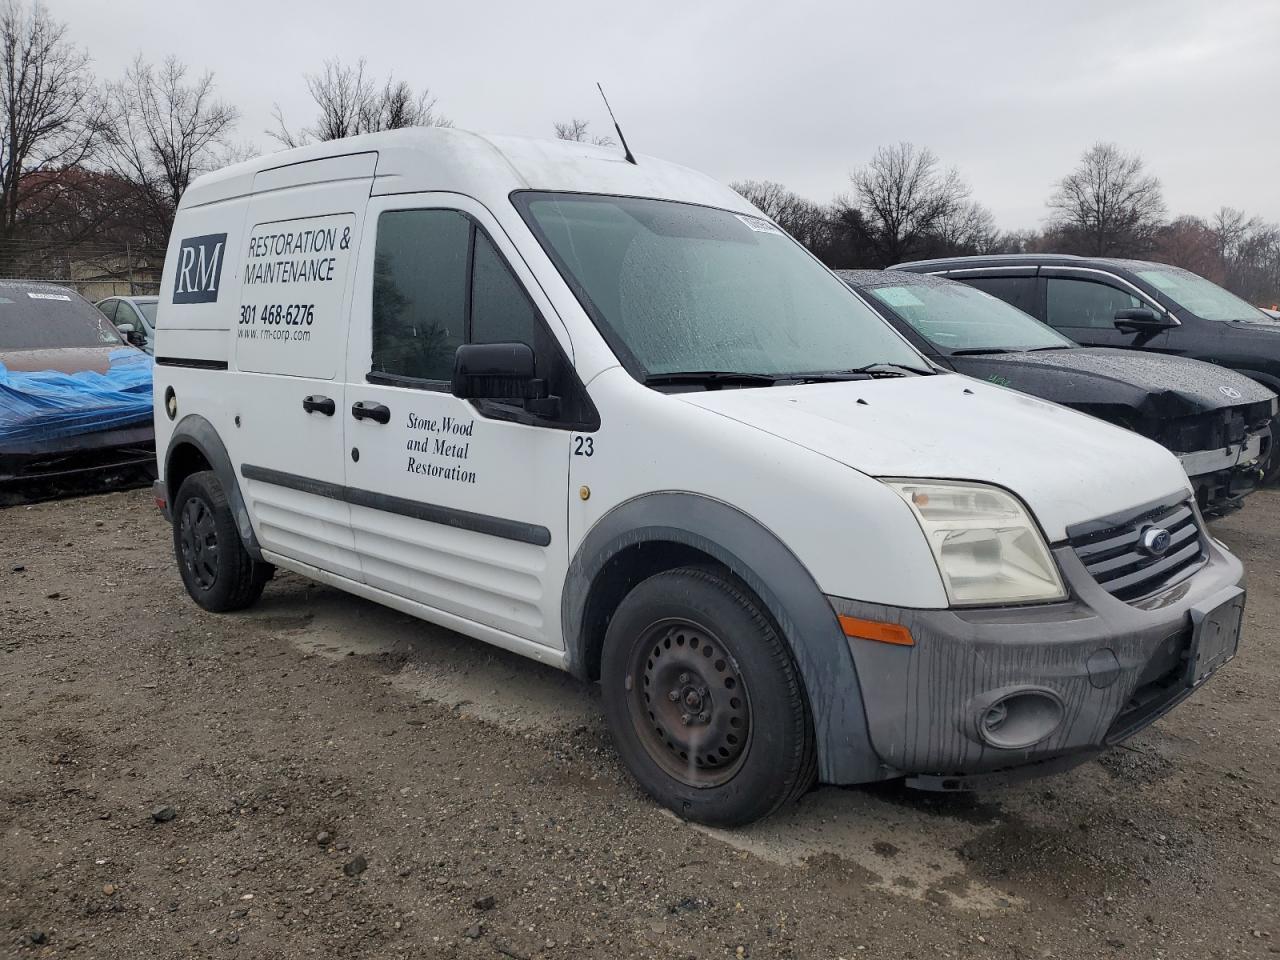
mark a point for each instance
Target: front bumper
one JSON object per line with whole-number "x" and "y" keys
{"x": 1223, "y": 477}
{"x": 1113, "y": 666}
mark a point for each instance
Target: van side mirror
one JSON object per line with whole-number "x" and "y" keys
{"x": 496, "y": 371}
{"x": 1142, "y": 320}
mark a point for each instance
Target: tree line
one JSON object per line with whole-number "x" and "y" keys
{"x": 83, "y": 160}
{"x": 905, "y": 205}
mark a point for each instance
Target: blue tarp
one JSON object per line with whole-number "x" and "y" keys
{"x": 48, "y": 406}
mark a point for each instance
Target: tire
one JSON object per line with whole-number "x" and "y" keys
{"x": 216, "y": 569}
{"x": 704, "y": 701}
{"x": 1271, "y": 469}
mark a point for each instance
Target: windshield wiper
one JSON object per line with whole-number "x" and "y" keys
{"x": 888, "y": 370}
{"x": 711, "y": 377}
{"x": 980, "y": 351}
{"x": 1060, "y": 346}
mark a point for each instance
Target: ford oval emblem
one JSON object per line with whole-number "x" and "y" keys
{"x": 1231, "y": 393}
{"x": 1155, "y": 541}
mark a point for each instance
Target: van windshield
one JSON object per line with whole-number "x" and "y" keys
{"x": 1205, "y": 299}
{"x": 679, "y": 288}
{"x": 957, "y": 317}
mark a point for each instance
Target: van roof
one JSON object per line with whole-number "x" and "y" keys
{"x": 487, "y": 167}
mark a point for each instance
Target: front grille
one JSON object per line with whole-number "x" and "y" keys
{"x": 1114, "y": 556}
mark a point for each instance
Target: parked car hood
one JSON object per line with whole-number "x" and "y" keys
{"x": 1154, "y": 385}
{"x": 1068, "y": 467}
{"x": 63, "y": 359}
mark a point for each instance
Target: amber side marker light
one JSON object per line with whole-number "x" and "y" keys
{"x": 894, "y": 633}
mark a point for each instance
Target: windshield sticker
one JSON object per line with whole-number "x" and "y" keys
{"x": 897, "y": 297}
{"x": 758, "y": 225}
{"x": 1158, "y": 278}
{"x": 49, "y": 296}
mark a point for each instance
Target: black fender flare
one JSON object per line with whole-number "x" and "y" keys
{"x": 762, "y": 561}
{"x": 198, "y": 432}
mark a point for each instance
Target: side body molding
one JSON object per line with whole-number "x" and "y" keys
{"x": 772, "y": 571}
{"x": 198, "y": 432}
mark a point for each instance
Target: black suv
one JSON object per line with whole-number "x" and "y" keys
{"x": 1134, "y": 304}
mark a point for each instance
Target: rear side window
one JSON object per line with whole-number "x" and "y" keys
{"x": 39, "y": 319}
{"x": 438, "y": 283}
{"x": 1019, "y": 292}
{"x": 1084, "y": 303}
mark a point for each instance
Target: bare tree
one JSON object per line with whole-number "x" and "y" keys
{"x": 1230, "y": 228}
{"x": 1108, "y": 206}
{"x": 905, "y": 196}
{"x": 968, "y": 228}
{"x": 576, "y": 130}
{"x": 47, "y": 107}
{"x": 808, "y": 222}
{"x": 165, "y": 130}
{"x": 350, "y": 103}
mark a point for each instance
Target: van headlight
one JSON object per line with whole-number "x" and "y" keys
{"x": 988, "y": 548}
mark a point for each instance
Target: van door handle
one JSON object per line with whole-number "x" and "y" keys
{"x": 370, "y": 411}
{"x": 319, "y": 404}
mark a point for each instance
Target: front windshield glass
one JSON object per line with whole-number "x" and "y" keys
{"x": 1206, "y": 300}
{"x": 679, "y": 288}
{"x": 954, "y": 316}
{"x": 148, "y": 308}
{"x": 33, "y": 319}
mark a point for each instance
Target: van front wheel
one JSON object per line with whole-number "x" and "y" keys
{"x": 704, "y": 701}
{"x": 216, "y": 569}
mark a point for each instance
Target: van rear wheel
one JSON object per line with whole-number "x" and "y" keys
{"x": 216, "y": 569}
{"x": 704, "y": 702}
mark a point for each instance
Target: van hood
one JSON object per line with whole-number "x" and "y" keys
{"x": 1066, "y": 466}
{"x": 1152, "y": 385}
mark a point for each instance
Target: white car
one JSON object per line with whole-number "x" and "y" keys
{"x": 601, "y": 412}
{"x": 135, "y": 317}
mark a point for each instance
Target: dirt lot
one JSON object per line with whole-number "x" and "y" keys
{"x": 322, "y": 777}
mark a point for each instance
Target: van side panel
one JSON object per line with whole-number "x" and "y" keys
{"x": 293, "y": 262}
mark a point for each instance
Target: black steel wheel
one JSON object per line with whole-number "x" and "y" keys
{"x": 216, "y": 569}
{"x": 703, "y": 699}
{"x": 198, "y": 542}
{"x": 691, "y": 706}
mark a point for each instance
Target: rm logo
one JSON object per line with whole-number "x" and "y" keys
{"x": 199, "y": 269}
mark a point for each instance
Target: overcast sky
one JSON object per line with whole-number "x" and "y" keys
{"x": 801, "y": 92}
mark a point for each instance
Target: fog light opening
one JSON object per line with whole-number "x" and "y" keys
{"x": 1020, "y": 719}
{"x": 995, "y": 718}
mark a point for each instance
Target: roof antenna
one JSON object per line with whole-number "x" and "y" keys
{"x": 631, "y": 158}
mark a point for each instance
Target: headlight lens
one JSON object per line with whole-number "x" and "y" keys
{"x": 989, "y": 550}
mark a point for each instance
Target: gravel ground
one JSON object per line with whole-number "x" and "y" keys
{"x": 322, "y": 777}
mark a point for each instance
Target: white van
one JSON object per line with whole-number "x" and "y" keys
{"x": 604, "y": 414}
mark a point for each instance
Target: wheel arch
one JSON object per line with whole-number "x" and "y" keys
{"x": 195, "y": 445}
{"x": 661, "y": 531}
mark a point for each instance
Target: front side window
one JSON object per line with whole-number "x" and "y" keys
{"x": 420, "y": 292}
{"x": 1194, "y": 293}
{"x": 439, "y": 282}
{"x": 148, "y": 308}
{"x": 675, "y": 288}
{"x": 1019, "y": 292}
{"x": 952, "y": 316}
{"x": 1083, "y": 303}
